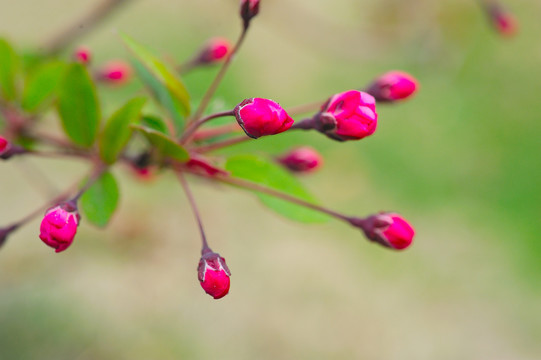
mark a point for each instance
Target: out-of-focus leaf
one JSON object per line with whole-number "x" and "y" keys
{"x": 261, "y": 171}
{"x": 78, "y": 106}
{"x": 41, "y": 84}
{"x": 163, "y": 83}
{"x": 167, "y": 146}
{"x": 9, "y": 63}
{"x": 100, "y": 201}
{"x": 155, "y": 123}
{"x": 117, "y": 131}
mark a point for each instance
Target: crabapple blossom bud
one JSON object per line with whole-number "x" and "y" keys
{"x": 387, "y": 229}
{"x": 259, "y": 117}
{"x": 302, "y": 159}
{"x": 503, "y": 21}
{"x": 214, "y": 274}
{"x": 115, "y": 72}
{"x": 392, "y": 86}
{"x": 248, "y": 9}
{"x": 59, "y": 226}
{"x": 5, "y": 145}
{"x": 215, "y": 50}
{"x": 350, "y": 115}
{"x": 82, "y": 55}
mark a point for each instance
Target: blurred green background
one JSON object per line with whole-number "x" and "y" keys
{"x": 461, "y": 161}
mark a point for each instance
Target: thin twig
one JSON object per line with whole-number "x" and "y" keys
{"x": 195, "y": 210}
{"x": 224, "y": 143}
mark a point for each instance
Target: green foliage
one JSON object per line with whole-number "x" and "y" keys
{"x": 42, "y": 84}
{"x": 166, "y": 146}
{"x": 78, "y": 106}
{"x": 9, "y": 63}
{"x": 100, "y": 201}
{"x": 117, "y": 131}
{"x": 261, "y": 171}
{"x": 166, "y": 88}
{"x": 155, "y": 123}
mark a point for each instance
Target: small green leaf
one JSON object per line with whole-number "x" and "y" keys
{"x": 42, "y": 84}
{"x": 78, "y": 106}
{"x": 155, "y": 123}
{"x": 167, "y": 146}
{"x": 117, "y": 131}
{"x": 9, "y": 63}
{"x": 100, "y": 201}
{"x": 261, "y": 171}
{"x": 164, "y": 84}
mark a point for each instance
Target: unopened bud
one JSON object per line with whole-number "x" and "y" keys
{"x": 215, "y": 50}
{"x": 302, "y": 159}
{"x": 82, "y": 55}
{"x": 59, "y": 226}
{"x": 392, "y": 86}
{"x": 5, "y": 146}
{"x": 115, "y": 72}
{"x": 502, "y": 20}
{"x": 259, "y": 117}
{"x": 248, "y": 9}
{"x": 214, "y": 274}
{"x": 353, "y": 114}
{"x": 387, "y": 229}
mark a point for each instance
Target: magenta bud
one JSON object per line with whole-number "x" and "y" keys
{"x": 82, "y": 55}
{"x": 393, "y": 86}
{"x": 115, "y": 72}
{"x": 350, "y": 115}
{"x": 59, "y": 226}
{"x": 303, "y": 159}
{"x": 5, "y": 146}
{"x": 502, "y": 20}
{"x": 215, "y": 50}
{"x": 387, "y": 229}
{"x": 248, "y": 9}
{"x": 260, "y": 117}
{"x": 214, "y": 274}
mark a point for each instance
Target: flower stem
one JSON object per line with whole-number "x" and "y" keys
{"x": 216, "y": 131}
{"x": 224, "y": 143}
{"x": 97, "y": 171}
{"x": 83, "y": 25}
{"x": 190, "y": 130}
{"x": 266, "y": 190}
{"x": 205, "y": 247}
{"x": 212, "y": 88}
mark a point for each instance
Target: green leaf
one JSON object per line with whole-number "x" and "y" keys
{"x": 41, "y": 85}
{"x": 9, "y": 63}
{"x": 167, "y": 146}
{"x": 100, "y": 201}
{"x": 78, "y": 106}
{"x": 164, "y": 85}
{"x": 261, "y": 171}
{"x": 117, "y": 131}
{"x": 155, "y": 123}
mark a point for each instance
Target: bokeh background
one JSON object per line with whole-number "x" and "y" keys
{"x": 461, "y": 161}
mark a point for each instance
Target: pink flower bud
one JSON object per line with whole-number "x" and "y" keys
{"x": 82, "y": 55}
{"x": 214, "y": 51}
{"x": 303, "y": 159}
{"x": 5, "y": 145}
{"x": 350, "y": 115}
{"x": 59, "y": 226}
{"x": 259, "y": 117}
{"x": 214, "y": 274}
{"x": 503, "y": 21}
{"x": 115, "y": 72}
{"x": 248, "y": 9}
{"x": 392, "y": 86}
{"x": 387, "y": 229}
